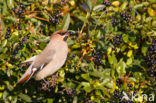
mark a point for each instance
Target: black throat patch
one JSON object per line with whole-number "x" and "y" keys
{"x": 65, "y": 38}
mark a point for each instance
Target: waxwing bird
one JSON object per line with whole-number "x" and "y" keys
{"x": 50, "y": 59}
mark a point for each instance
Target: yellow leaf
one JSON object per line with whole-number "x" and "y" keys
{"x": 92, "y": 98}
{"x": 1, "y": 94}
{"x": 135, "y": 46}
{"x": 129, "y": 54}
{"x": 151, "y": 12}
{"x": 2, "y": 87}
{"x": 72, "y": 3}
{"x": 109, "y": 50}
{"x": 15, "y": 33}
{"x": 115, "y": 3}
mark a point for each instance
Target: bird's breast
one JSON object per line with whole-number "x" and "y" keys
{"x": 55, "y": 64}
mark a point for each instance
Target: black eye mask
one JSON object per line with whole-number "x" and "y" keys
{"x": 65, "y": 38}
{"x": 62, "y": 33}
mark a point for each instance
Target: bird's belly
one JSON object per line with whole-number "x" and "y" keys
{"x": 50, "y": 68}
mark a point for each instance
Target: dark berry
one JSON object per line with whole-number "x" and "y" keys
{"x": 22, "y": 6}
{"x": 13, "y": 9}
{"x": 13, "y": 58}
{"x": 8, "y": 29}
{"x": 21, "y": 43}
{"x": 35, "y": 24}
{"x": 43, "y": 25}
{"x": 19, "y": 12}
{"x": 6, "y": 36}
{"x": 130, "y": 85}
{"x": 15, "y": 52}
{"x": 117, "y": 40}
{"x": 19, "y": 28}
{"x": 8, "y": 33}
{"x": 22, "y": 16}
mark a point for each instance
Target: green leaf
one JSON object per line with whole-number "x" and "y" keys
{"x": 85, "y": 76}
{"x": 82, "y": 18}
{"x": 66, "y": 22}
{"x": 89, "y": 4}
{"x": 107, "y": 82}
{"x": 75, "y": 46}
{"x": 121, "y": 68}
{"x": 42, "y": 45}
{"x": 75, "y": 100}
{"x": 125, "y": 38}
{"x": 9, "y": 86}
{"x": 144, "y": 50}
{"x": 138, "y": 6}
{"x": 96, "y": 73}
{"x": 86, "y": 87}
{"x": 124, "y": 5}
{"x": 25, "y": 97}
{"x": 10, "y": 3}
{"x": 98, "y": 8}
{"x": 110, "y": 84}
{"x": 5, "y": 94}
{"x": 129, "y": 61}
{"x": 4, "y": 43}
{"x": 109, "y": 27}
{"x": 112, "y": 59}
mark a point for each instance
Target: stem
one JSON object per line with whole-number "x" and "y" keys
{"x": 84, "y": 24}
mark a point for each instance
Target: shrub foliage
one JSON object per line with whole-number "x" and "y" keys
{"x": 113, "y": 51}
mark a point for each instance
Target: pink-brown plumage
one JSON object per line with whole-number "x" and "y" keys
{"x": 49, "y": 60}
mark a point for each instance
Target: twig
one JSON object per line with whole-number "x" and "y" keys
{"x": 98, "y": 20}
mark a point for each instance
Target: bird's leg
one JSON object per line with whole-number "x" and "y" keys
{"x": 46, "y": 82}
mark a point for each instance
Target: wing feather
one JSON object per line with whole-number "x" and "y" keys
{"x": 29, "y": 60}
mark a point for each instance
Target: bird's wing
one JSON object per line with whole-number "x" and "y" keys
{"x": 29, "y": 60}
{"x": 38, "y": 63}
{"x": 44, "y": 58}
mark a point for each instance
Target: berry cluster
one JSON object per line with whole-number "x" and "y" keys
{"x": 55, "y": 18}
{"x": 107, "y": 3}
{"x": 126, "y": 16}
{"x": 18, "y": 47}
{"x": 130, "y": 86}
{"x": 118, "y": 82}
{"x": 19, "y": 11}
{"x": 17, "y": 26}
{"x": 118, "y": 96}
{"x": 71, "y": 92}
{"x": 117, "y": 40}
{"x": 115, "y": 22}
{"x": 97, "y": 58}
{"x": 151, "y": 58}
{"x": 8, "y": 33}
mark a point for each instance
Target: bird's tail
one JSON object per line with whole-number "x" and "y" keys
{"x": 26, "y": 75}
